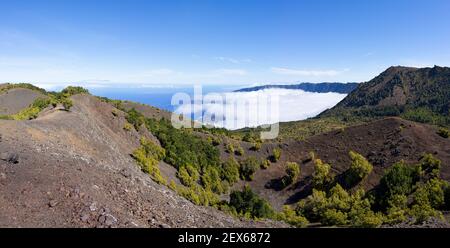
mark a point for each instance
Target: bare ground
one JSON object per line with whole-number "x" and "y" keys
{"x": 73, "y": 169}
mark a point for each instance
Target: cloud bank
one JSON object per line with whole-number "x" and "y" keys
{"x": 235, "y": 110}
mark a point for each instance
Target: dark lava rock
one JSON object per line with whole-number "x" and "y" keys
{"x": 126, "y": 173}
{"x": 10, "y": 157}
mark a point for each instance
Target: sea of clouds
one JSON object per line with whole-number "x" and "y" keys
{"x": 235, "y": 110}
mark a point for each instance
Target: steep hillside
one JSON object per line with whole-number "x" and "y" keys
{"x": 382, "y": 142}
{"x": 9, "y": 105}
{"x": 418, "y": 94}
{"x": 74, "y": 169}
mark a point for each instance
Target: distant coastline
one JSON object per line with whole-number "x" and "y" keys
{"x": 342, "y": 88}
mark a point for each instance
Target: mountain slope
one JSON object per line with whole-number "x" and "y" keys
{"x": 73, "y": 169}
{"x": 343, "y": 88}
{"x": 382, "y": 142}
{"x": 420, "y": 94}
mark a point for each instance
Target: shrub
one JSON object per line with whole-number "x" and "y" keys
{"x": 430, "y": 166}
{"x": 67, "y": 103}
{"x": 431, "y": 193}
{"x": 230, "y": 170}
{"x": 423, "y": 115}
{"x": 321, "y": 175}
{"x": 33, "y": 110}
{"x": 239, "y": 151}
{"x": 332, "y": 217}
{"x": 292, "y": 173}
{"x": 314, "y": 206}
{"x": 229, "y": 148}
{"x": 360, "y": 213}
{"x": 444, "y": 132}
{"x": 73, "y": 90}
{"x": 289, "y": 216}
{"x": 256, "y": 146}
{"x": 265, "y": 164}
{"x": 248, "y": 167}
{"x": 422, "y": 213}
{"x": 127, "y": 126}
{"x": 172, "y": 185}
{"x": 184, "y": 148}
{"x": 398, "y": 180}
{"x": 115, "y": 112}
{"x": 188, "y": 175}
{"x": 148, "y": 156}
{"x": 339, "y": 208}
{"x": 360, "y": 168}
{"x": 215, "y": 141}
{"x": 276, "y": 154}
{"x": 198, "y": 195}
{"x": 211, "y": 180}
{"x": 135, "y": 118}
{"x": 248, "y": 203}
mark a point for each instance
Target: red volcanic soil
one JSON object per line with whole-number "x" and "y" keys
{"x": 382, "y": 142}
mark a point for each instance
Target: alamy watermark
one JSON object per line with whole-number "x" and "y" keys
{"x": 229, "y": 110}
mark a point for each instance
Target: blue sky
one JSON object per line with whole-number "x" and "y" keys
{"x": 217, "y": 42}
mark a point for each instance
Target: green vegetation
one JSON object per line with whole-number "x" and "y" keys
{"x": 239, "y": 150}
{"x": 148, "y": 157}
{"x": 248, "y": 167}
{"x": 127, "y": 126}
{"x": 256, "y": 146}
{"x": 444, "y": 132}
{"x": 321, "y": 176}
{"x": 276, "y": 154}
{"x": 135, "y": 118}
{"x": 360, "y": 168}
{"x": 337, "y": 207}
{"x": 229, "y": 148}
{"x": 247, "y": 203}
{"x": 388, "y": 203}
{"x": 297, "y": 130}
{"x": 74, "y": 90}
{"x": 49, "y": 98}
{"x": 292, "y": 173}
{"x": 214, "y": 140}
{"x": 418, "y": 95}
{"x": 230, "y": 170}
{"x": 197, "y": 161}
{"x": 184, "y": 148}
{"x": 212, "y": 181}
{"x": 67, "y": 103}
{"x": 419, "y": 181}
{"x": 198, "y": 195}
{"x": 424, "y": 115}
{"x": 33, "y": 110}
{"x": 289, "y": 216}
{"x": 265, "y": 164}
{"x": 188, "y": 175}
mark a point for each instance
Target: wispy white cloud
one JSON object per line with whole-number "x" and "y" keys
{"x": 313, "y": 73}
{"x": 233, "y": 60}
